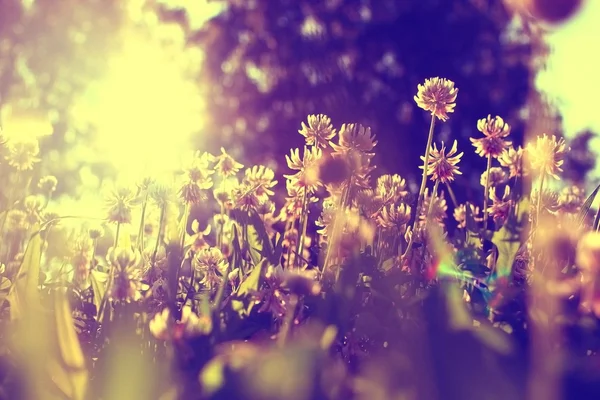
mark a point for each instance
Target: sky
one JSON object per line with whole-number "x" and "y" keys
{"x": 571, "y": 77}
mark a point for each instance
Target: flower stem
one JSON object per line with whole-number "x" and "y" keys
{"x": 140, "y": 238}
{"x": 288, "y": 321}
{"x": 487, "y": 192}
{"x": 452, "y": 196}
{"x": 303, "y": 225}
{"x": 335, "y": 225}
{"x": 422, "y": 189}
{"x": 432, "y": 200}
{"x": 539, "y": 202}
{"x": 117, "y": 234}
{"x": 159, "y": 234}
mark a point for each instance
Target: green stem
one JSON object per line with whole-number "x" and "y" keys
{"x": 452, "y": 196}
{"x": 432, "y": 200}
{"x": 159, "y": 234}
{"x": 221, "y": 228}
{"x": 486, "y": 194}
{"x": 422, "y": 189}
{"x": 331, "y": 242}
{"x": 117, "y": 235}
{"x": 302, "y": 233}
{"x": 184, "y": 221}
{"x": 140, "y": 238}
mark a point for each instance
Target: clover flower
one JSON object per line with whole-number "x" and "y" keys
{"x": 189, "y": 325}
{"x": 226, "y": 166}
{"x": 512, "y": 159}
{"x": 212, "y": 264}
{"x": 501, "y": 206}
{"x": 119, "y": 204}
{"x": 307, "y": 167}
{"x": 354, "y": 137}
{"x": 245, "y": 196}
{"x": 496, "y": 175}
{"x": 126, "y": 283}
{"x": 327, "y": 216}
{"x": 391, "y": 188}
{"x": 494, "y": 131}
{"x": 437, "y": 95}
{"x": 546, "y": 155}
{"x": 548, "y": 203}
{"x": 83, "y": 250}
{"x": 47, "y": 184}
{"x": 460, "y": 214}
{"x": 319, "y": 130}
{"x": 442, "y": 166}
{"x": 23, "y": 154}
{"x": 439, "y": 208}
{"x": 394, "y": 217}
{"x": 262, "y": 179}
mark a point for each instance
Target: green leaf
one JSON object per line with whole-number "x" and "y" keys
{"x": 508, "y": 239}
{"x": 24, "y": 292}
{"x": 69, "y": 372}
{"x": 5, "y": 286}
{"x": 99, "y": 281}
{"x": 242, "y": 302}
{"x": 585, "y": 208}
{"x": 259, "y": 243}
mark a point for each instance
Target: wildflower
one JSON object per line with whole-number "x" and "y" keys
{"x": 326, "y": 218}
{"x": 224, "y": 192}
{"x": 119, "y": 204}
{"x": 549, "y": 201}
{"x": 16, "y": 221}
{"x": 369, "y": 203}
{"x": 307, "y": 175}
{"x": 354, "y": 137}
{"x": 211, "y": 262}
{"x": 318, "y": 132}
{"x": 23, "y": 154}
{"x": 442, "y": 166}
{"x": 162, "y": 194}
{"x": 47, "y": 184}
{"x": 191, "y": 193}
{"x": 394, "y": 217}
{"x": 546, "y": 155}
{"x": 126, "y": 282}
{"x": 265, "y": 207}
{"x": 245, "y": 196}
{"x": 512, "y": 159}
{"x": 96, "y": 232}
{"x": 262, "y": 179}
{"x": 226, "y": 166}
{"x": 494, "y": 131}
{"x": 391, "y": 188}
{"x": 571, "y": 199}
{"x": 501, "y": 206}
{"x": 83, "y": 250}
{"x": 496, "y": 175}
{"x": 145, "y": 184}
{"x": 33, "y": 206}
{"x": 438, "y": 210}
{"x": 437, "y": 95}
{"x": 460, "y": 214}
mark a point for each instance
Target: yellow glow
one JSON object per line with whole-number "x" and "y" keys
{"x": 571, "y": 77}
{"x": 24, "y": 123}
{"x": 145, "y": 109}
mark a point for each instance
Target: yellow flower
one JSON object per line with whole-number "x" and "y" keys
{"x": 126, "y": 282}
{"x": 355, "y": 137}
{"x": 119, "y": 204}
{"x": 439, "y": 209}
{"x": 546, "y": 155}
{"x": 395, "y": 217}
{"x": 494, "y": 131}
{"x": 47, "y": 184}
{"x": 307, "y": 167}
{"x": 319, "y": 130}
{"x": 496, "y": 175}
{"x": 262, "y": 179}
{"x": 512, "y": 159}
{"x": 212, "y": 264}
{"x": 500, "y": 206}
{"x": 437, "y": 95}
{"x": 391, "y": 188}
{"x": 442, "y": 166}
{"x": 23, "y": 154}
{"x": 226, "y": 166}
{"x": 245, "y": 196}
{"x": 460, "y": 214}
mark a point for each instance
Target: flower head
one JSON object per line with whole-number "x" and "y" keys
{"x": 212, "y": 263}
{"x": 126, "y": 282}
{"x": 23, "y": 154}
{"x": 394, "y": 217}
{"x": 460, "y": 214}
{"x": 442, "y": 166}
{"x": 226, "y": 166}
{"x": 307, "y": 176}
{"x": 262, "y": 179}
{"x": 119, "y": 204}
{"x": 47, "y": 184}
{"x": 496, "y": 176}
{"x": 546, "y": 155}
{"x": 501, "y": 206}
{"x": 391, "y": 188}
{"x": 355, "y": 137}
{"x": 437, "y": 95}
{"x": 494, "y": 131}
{"x": 512, "y": 159}
{"x": 438, "y": 210}
{"x": 319, "y": 130}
